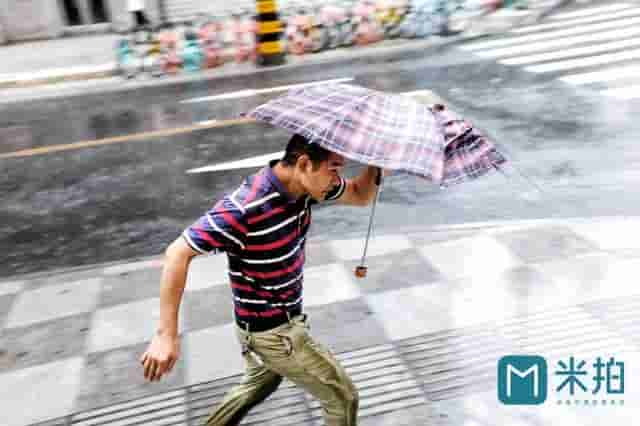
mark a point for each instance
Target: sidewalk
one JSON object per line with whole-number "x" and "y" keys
{"x": 51, "y": 61}
{"x": 93, "y": 57}
{"x": 421, "y": 335}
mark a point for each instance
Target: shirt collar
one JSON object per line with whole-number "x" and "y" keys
{"x": 276, "y": 182}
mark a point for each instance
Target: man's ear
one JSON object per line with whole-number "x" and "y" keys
{"x": 304, "y": 163}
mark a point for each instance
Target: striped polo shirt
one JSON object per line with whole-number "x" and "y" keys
{"x": 262, "y": 228}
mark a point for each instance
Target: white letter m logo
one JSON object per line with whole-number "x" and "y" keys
{"x": 531, "y": 370}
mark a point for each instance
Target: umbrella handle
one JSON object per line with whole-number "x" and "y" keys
{"x": 361, "y": 270}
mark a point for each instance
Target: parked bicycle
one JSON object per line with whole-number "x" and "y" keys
{"x": 243, "y": 29}
{"x": 211, "y": 41}
{"x": 390, "y": 14}
{"x": 303, "y": 33}
{"x": 336, "y": 24}
{"x": 127, "y": 61}
{"x": 211, "y": 35}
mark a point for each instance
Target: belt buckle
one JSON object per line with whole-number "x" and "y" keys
{"x": 245, "y": 349}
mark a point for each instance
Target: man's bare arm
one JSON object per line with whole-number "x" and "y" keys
{"x": 174, "y": 279}
{"x": 361, "y": 190}
{"x": 163, "y": 351}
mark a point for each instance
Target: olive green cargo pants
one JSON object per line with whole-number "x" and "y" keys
{"x": 289, "y": 351}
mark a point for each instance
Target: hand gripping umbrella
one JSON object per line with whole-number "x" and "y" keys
{"x": 385, "y": 130}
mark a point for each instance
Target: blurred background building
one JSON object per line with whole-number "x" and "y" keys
{"x": 41, "y": 19}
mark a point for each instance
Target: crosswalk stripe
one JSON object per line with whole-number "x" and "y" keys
{"x": 562, "y": 42}
{"x": 578, "y": 21}
{"x": 590, "y": 11}
{"x": 585, "y": 62}
{"x": 606, "y": 39}
{"x": 624, "y": 93}
{"x": 585, "y": 30}
{"x": 568, "y": 53}
{"x": 602, "y": 76}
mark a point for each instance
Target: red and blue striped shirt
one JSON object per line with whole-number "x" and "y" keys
{"x": 262, "y": 228}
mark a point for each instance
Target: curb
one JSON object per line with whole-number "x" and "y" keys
{"x": 320, "y": 239}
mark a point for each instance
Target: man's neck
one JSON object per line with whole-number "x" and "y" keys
{"x": 286, "y": 177}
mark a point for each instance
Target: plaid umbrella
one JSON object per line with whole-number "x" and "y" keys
{"x": 384, "y": 130}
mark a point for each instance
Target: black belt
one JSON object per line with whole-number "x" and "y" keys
{"x": 267, "y": 323}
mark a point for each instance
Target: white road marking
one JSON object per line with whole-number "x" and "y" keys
{"x": 579, "y": 21}
{"x": 568, "y": 53}
{"x": 603, "y": 76}
{"x": 612, "y": 35}
{"x": 246, "y": 163}
{"x": 585, "y": 62}
{"x": 249, "y": 93}
{"x": 590, "y": 11}
{"x": 606, "y": 37}
{"x": 586, "y": 30}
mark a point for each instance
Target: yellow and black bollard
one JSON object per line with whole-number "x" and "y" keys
{"x": 269, "y": 34}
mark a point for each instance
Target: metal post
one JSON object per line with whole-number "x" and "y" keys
{"x": 269, "y": 33}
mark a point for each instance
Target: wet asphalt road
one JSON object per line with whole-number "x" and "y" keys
{"x": 130, "y": 200}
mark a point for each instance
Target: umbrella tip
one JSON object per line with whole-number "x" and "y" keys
{"x": 361, "y": 271}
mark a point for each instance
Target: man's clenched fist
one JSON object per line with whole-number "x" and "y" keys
{"x": 160, "y": 357}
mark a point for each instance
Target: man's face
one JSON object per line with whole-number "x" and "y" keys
{"x": 320, "y": 181}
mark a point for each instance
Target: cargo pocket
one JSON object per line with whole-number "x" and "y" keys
{"x": 271, "y": 347}
{"x": 293, "y": 338}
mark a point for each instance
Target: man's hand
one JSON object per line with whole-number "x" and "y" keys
{"x": 361, "y": 190}
{"x": 160, "y": 357}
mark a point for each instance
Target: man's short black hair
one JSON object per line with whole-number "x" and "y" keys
{"x": 299, "y": 145}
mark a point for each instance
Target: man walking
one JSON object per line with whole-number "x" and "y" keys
{"x": 262, "y": 227}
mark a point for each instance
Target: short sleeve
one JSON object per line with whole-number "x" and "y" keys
{"x": 220, "y": 229}
{"x": 337, "y": 191}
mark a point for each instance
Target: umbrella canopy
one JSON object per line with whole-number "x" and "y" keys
{"x": 385, "y": 130}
